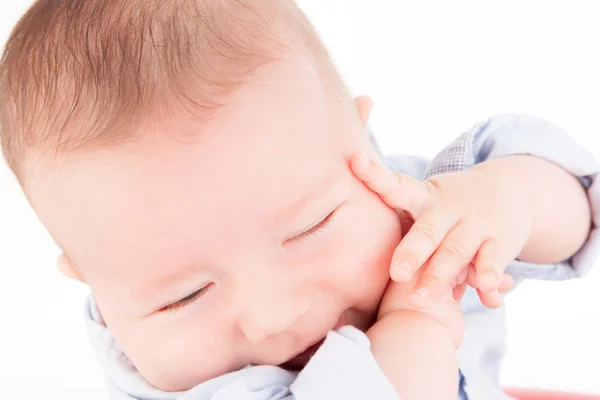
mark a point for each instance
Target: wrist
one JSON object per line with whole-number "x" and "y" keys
{"x": 388, "y": 325}
{"x": 411, "y": 349}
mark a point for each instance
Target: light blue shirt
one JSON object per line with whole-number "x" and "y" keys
{"x": 344, "y": 367}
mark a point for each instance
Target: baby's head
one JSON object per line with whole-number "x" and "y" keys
{"x": 190, "y": 157}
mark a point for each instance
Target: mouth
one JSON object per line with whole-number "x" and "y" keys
{"x": 299, "y": 361}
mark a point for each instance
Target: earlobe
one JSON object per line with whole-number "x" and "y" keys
{"x": 364, "y": 105}
{"x": 68, "y": 269}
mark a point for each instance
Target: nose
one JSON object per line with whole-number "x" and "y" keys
{"x": 270, "y": 311}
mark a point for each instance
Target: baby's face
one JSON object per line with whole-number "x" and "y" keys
{"x": 244, "y": 243}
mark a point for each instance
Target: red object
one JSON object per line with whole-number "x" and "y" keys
{"x": 538, "y": 395}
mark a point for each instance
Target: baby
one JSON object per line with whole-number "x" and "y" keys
{"x": 204, "y": 170}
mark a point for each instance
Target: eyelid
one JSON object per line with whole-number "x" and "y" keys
{"x": 314, "y": 228}
{"x": 186, "y": 300}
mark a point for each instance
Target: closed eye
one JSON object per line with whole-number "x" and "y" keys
{"x": 190, "y": 298}
{"x": 311, "y": 232}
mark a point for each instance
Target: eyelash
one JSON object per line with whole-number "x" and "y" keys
{"x": 312, "y": 232}
{"x": 189, "y": 299}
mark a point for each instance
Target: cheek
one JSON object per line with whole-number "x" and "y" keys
{"x": 175, "y": 356}
{"x": 177, "y": 353}
{"x": 365, "y": 248}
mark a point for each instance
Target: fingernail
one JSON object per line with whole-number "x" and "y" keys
{"x": 462, "y": 276}
{"x": 489, "y": 280}
{"x": 402, "y": 272}
{"x": 422, "y": 292}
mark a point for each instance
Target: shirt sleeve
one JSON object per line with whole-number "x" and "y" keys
{"x": 343, "y": 368}
{"x": 507, "y": 135}
{"x": 412, "y": 165}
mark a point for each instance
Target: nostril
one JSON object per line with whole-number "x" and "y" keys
{"x": 272, "y": 314}
{"x": 254, "y": 335}
{"x": 257, "y": 330}
{"x": 257, "y": 327}
{"x": 252, "y": 330}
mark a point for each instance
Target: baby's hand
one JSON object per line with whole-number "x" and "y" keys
{"x": 465, "y": 223}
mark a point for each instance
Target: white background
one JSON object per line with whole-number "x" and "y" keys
{"x": 434, "y": 69}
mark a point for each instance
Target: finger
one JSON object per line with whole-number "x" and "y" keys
{"x": 462, "y": 277}
{"x": 490, "y": 299}
{"x": 491, "y": 261}
{"x": 507, "y": 283}
{"x": 472, "y": 277}
{"x": 417, "y": 246}
{"x": 450, "y": 258}
{"x": 459, "y": 291}
{"x": 494, "y": 299}
{"x": 396, "y": 190}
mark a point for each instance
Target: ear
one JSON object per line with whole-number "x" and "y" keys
{"x": 364, "y": 105}
{"x": 68, "y": 269}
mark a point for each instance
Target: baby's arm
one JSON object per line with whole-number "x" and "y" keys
{"x": 417, "y": 355}
{"x": 416, "y": 348}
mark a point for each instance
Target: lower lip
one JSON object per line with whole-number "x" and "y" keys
{"x": 343, "y": 321}
{"x": 300, "y": 361}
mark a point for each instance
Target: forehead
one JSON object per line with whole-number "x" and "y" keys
{"x": 280, "y": 114}
{"x": 275, "y": 139}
